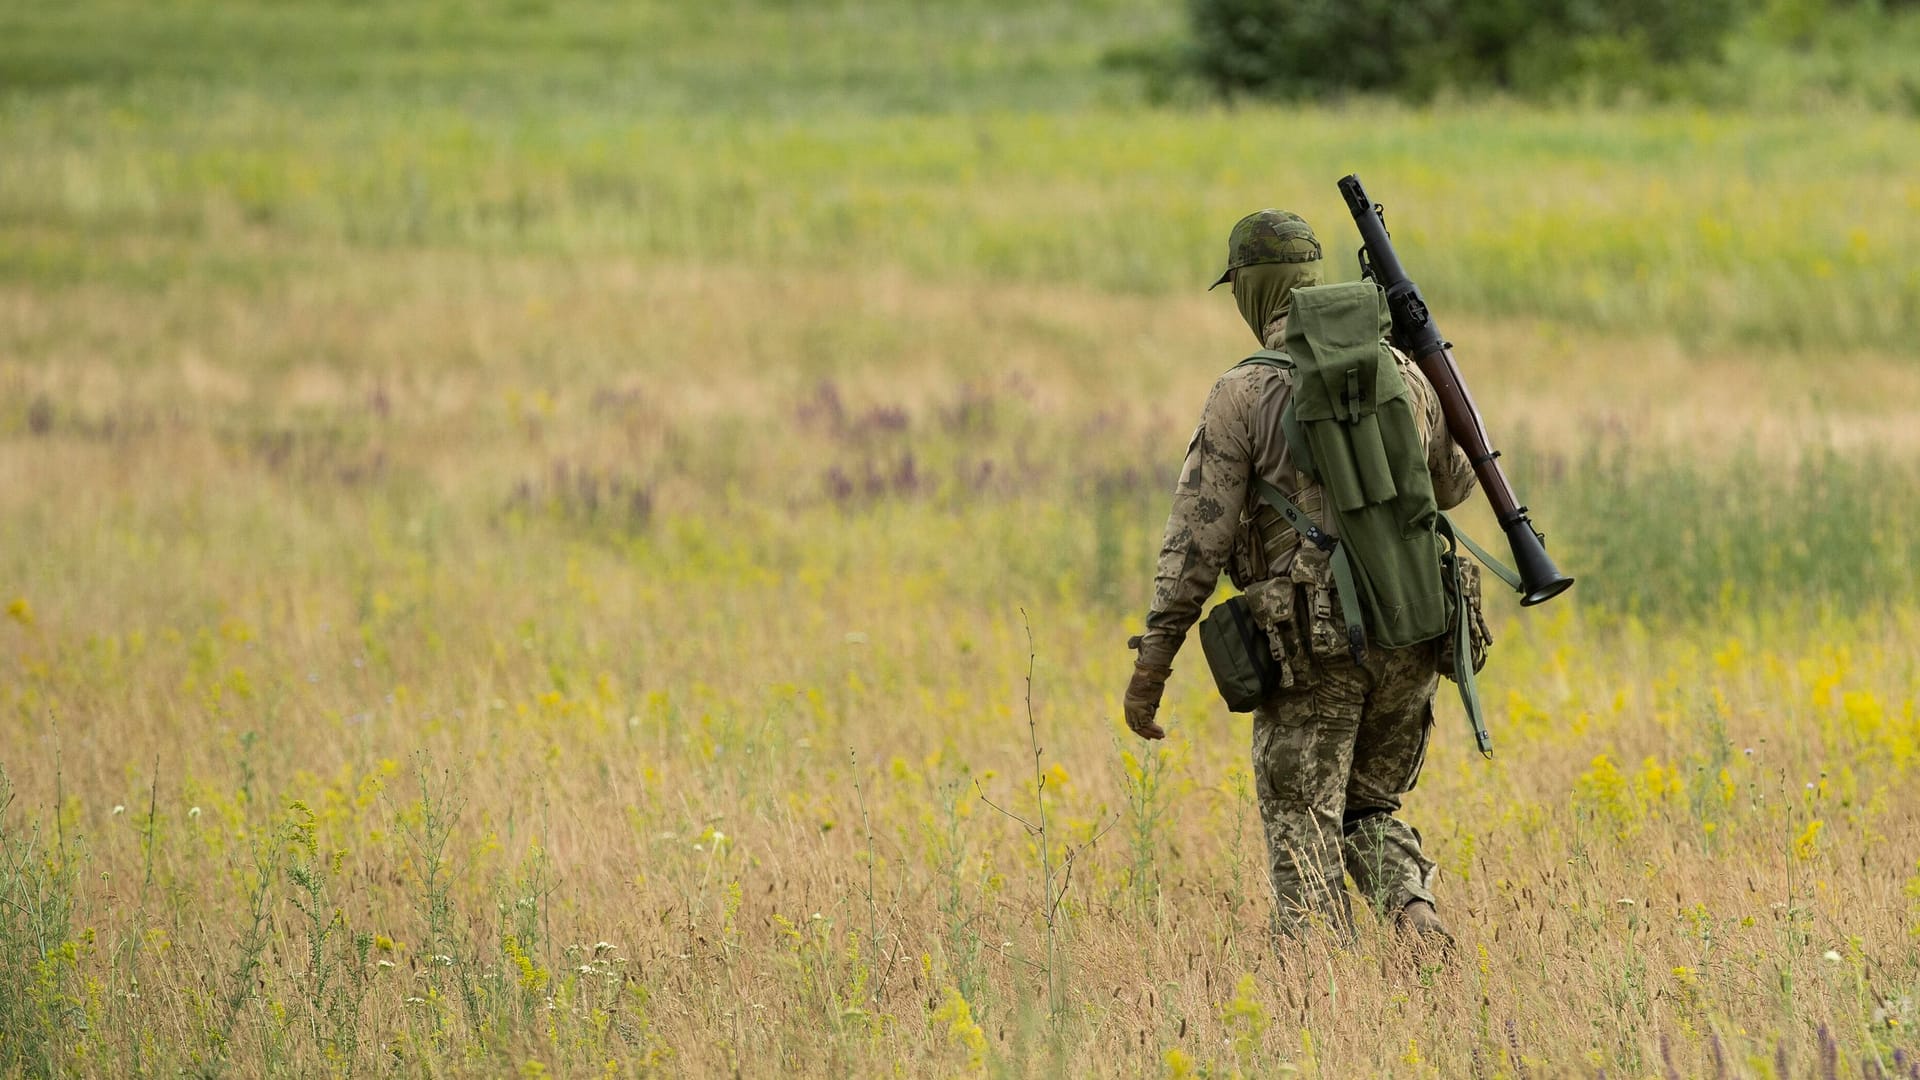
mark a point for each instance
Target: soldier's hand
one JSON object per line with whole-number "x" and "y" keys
{"x": 1143, "y": 699}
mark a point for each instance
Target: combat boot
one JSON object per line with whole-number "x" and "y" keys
{"x": 1421, "y": 924}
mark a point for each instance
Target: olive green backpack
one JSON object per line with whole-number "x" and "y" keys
{"x": 1349, "y": 422}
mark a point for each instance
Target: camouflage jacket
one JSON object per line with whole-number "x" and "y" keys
{"x": 1220, "y": 523}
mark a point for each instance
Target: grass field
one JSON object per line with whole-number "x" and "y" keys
{"x": 532, "y": 538}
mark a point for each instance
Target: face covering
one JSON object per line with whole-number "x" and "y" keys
{"x": 1264, "y": 291}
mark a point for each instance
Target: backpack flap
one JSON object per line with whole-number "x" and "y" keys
{"x": 1335, "y": 332}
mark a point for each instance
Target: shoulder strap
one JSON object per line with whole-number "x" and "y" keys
{"x": 1268, "y": 358}
{"x": 1336, "y": 554}
{"x": 1451, "y": 531}
{"x": 1462, "y": 635}
{"x": 1289, "y": 425}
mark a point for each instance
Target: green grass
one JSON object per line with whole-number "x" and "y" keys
{"x": 1796, "y": 53}
{"x": 1705, "y": 541}
{"x": 651, "y": 57}
{"x": 973, "y": 142}
{"x": 1707, "y": 227}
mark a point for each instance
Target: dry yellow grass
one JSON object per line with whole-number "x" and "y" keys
{"x": 517, "y": 555}
{"x": 627, "y": 652}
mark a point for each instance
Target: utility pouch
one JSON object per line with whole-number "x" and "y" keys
{"x": 1239, "y": 653}
{"x": 1271, "y": 603}
{"x": 1322, "y": 628}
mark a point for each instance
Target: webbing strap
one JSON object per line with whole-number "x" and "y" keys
{"x": 1350, "y": 604}
{"x": 1463, "y": 633}
{"x": 1343, "y": 580}
{"x": 1289, "y": 424}
{"x": 1463, "y": 668}
{"x": 1337, "y": 555}
{"x": 1268, "y": 358}
{"x": 1500, "y": 570}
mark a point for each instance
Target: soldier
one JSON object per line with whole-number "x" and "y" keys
{"x": 1334, "y": 752}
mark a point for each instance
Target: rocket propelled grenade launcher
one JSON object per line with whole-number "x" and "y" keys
{"x": 1415, "y": 331}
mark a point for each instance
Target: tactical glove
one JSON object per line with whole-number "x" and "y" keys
{"x": 1142, "y": 700}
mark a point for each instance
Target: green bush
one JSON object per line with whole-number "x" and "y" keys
{"x": 1315, "y": 48}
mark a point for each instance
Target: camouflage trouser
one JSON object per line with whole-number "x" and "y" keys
{"x": 1330, "y": 764}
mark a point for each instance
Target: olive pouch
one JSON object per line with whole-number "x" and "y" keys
{"x": 1239, "y": 654}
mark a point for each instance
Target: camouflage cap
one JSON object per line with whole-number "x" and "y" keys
{"x": 1269, "y": 236}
